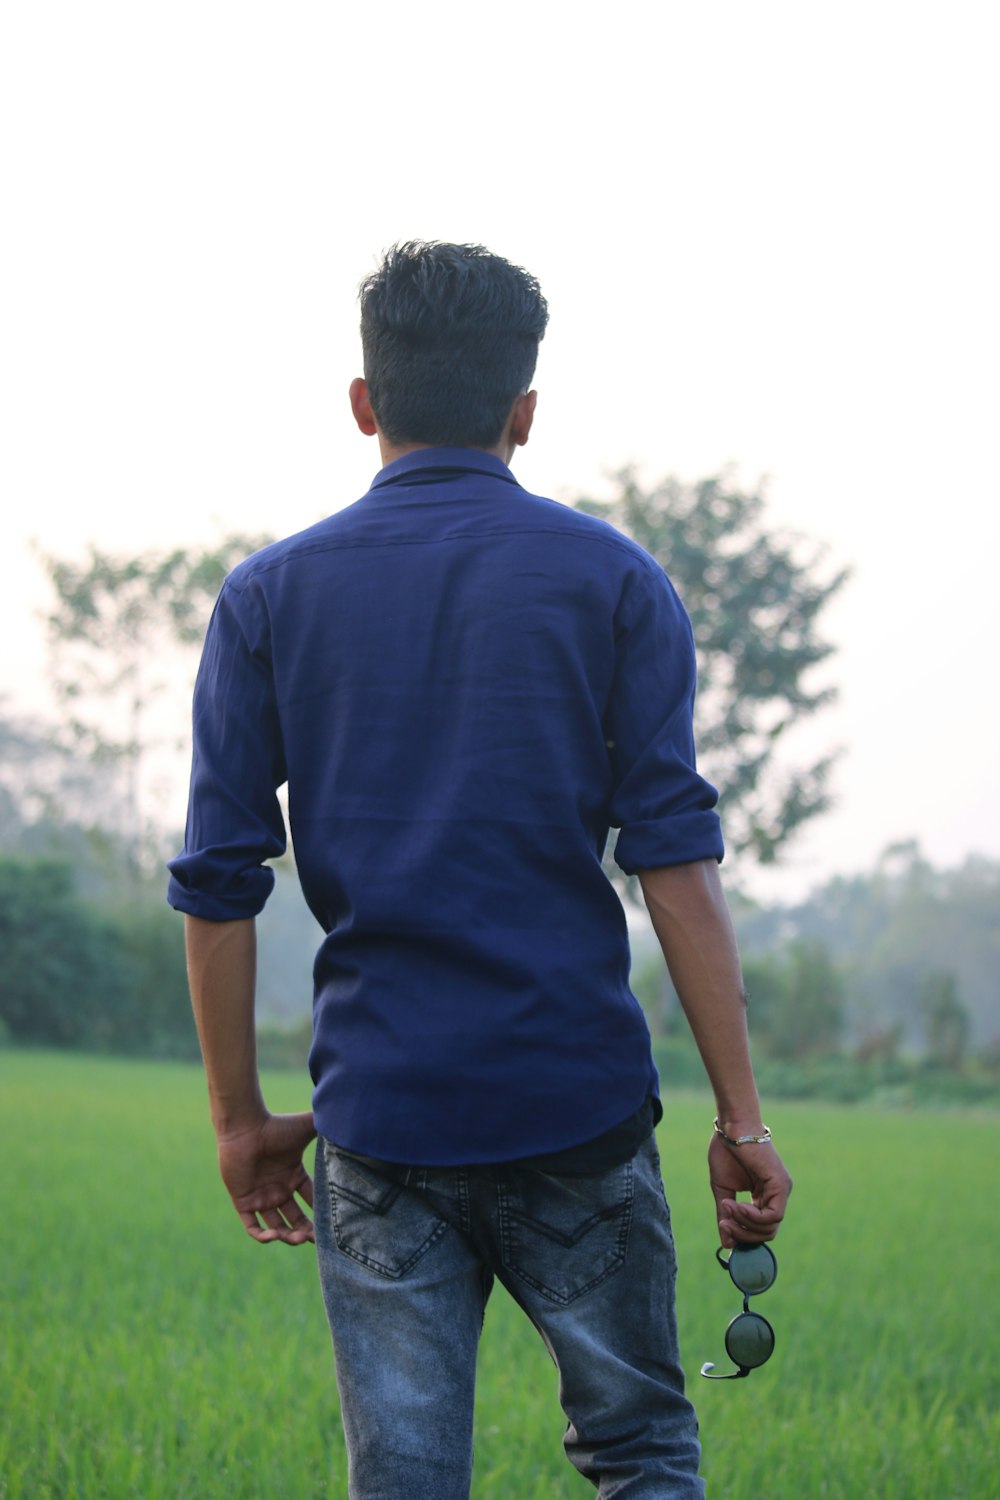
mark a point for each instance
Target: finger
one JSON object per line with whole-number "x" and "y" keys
{"x": 303, "y": 1235}
{"x": 773, "y": 1198}
{"x": 294, "y": 1217}
{"x": 732, "y": 1233}
{"x": 728, "y": 1229}
{"x": 749, "y": 1210}
{"x": 756, "y": 1233}
{"x": 252, "y": 1226}
{"x": 305, "y": 1189}
{"x": 723, "y": 1195}
{"x": 296, "y": 1228}
{"x": 750, "y": 1224}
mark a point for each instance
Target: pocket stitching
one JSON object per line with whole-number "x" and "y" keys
{"x": 394, "y": 1191}
{"x": 509, "y": 1216}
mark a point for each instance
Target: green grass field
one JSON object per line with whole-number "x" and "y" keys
{"x": 149, "y": 1349}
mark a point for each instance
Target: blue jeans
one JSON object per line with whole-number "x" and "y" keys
{"x": 407, "y": 1258}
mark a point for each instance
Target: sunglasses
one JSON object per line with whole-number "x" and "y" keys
{"x": 749, "y": 1337}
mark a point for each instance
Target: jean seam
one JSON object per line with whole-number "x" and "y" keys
{"x": 462, "y": 1195}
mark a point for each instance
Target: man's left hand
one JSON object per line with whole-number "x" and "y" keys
{"x": 757, "y": 1170}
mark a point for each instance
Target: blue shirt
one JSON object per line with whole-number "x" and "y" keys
{"x": 464, "y": 686}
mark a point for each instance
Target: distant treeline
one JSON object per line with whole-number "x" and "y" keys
{"x": 882, "y": 985}
{"x": 903, "y": 960}
{"x": 875, "y": 985}
{"x": 73, "y": 973}
{"x": 917, "y": 950}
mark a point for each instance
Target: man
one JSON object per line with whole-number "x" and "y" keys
{"x": 464, "y": 686}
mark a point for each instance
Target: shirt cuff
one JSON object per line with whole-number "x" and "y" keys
{"x": 245, "y": 897}
{"x": 678, "y": 840}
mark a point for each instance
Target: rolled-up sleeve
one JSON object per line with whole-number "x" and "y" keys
{"x": 234, "y": 821}
{"x": 663, "y": 807}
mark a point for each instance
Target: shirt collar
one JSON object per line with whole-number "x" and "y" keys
{"x": 462, "y": 460}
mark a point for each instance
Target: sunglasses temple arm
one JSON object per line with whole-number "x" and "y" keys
{"x": 740, "y": 1374}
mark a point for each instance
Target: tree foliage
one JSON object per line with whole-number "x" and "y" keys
{"x": 755, "y": 601}
{"x": 73, "y": 975}
{"x": 797, "y": 1001}
{"x": 898, "y": 932}
{"x": 56, "y": 966}
{"x": 45, "y": 786}
{"x": 116, "y": 624}
{"x": 946, "y": 1019}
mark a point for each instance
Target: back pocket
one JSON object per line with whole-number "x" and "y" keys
{"x": 378, "y": 1219}
{"x": 564, "y": 1235}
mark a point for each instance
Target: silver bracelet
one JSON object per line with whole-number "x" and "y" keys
{"x": 743, "y": 1140}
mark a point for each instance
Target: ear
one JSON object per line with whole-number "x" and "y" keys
{"x": 521, "y": 417}
{"x": 361, "y": 407}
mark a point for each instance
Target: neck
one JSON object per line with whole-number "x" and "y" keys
{"x": 504, "y": 450}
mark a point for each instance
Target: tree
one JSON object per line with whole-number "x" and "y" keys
{"x": 893, "y": 927}
{"x": 114, "y": 619}
{"x": 755, "y": 599}
{"x": 797, "y": 1000}
{"x": 62, "y": 976}
{"x": 75, "y": 975}
{"x": 947, "y": 1019}
{"x": 44, "y": 787}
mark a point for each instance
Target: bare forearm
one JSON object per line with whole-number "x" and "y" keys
{"x": 692, "y": 922}
{"x": 260, "y": 1155}
{"x": 695, "y": 930}
{"x": 222, "y": 965}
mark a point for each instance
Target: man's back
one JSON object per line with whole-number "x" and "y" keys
{"x": 464, "y": 685}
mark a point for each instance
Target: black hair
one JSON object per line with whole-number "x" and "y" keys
{"x": 450, "y": 335}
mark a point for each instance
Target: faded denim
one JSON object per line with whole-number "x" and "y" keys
{"x": 407, "y": 1259}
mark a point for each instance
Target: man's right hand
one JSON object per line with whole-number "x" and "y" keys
{"x": 263, "y": 1170}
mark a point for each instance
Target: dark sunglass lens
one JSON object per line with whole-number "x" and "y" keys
{"x": 749, "y": 1340}
{"x": 753, "y": 1268}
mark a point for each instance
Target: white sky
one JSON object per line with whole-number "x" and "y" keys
{"x": 769, "y": 237}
